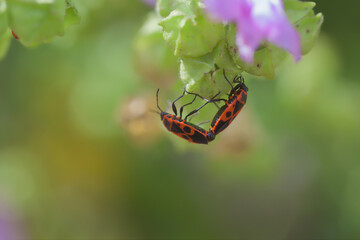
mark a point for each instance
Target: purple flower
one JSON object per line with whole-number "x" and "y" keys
{"x": 256, "y": 21}
{"x": 150, "y": 2}
{"x": 10, "y": 228}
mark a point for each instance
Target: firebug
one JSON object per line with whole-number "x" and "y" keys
{"x": 233, "y": 105}
{"x": 181, "y": 127}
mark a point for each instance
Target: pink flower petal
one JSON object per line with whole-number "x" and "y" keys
{"x": 257, "y": 21}
{"x": 223, "y": 10}
{"x": 150, "y": 2}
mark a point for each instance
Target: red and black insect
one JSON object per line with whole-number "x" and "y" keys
{"x": 183, "y": 128}
{"x": 233, "y": 105}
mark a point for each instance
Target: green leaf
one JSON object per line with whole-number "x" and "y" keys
{"x": 307, "y": 23}
{"x": 192, "y": 69}
{"x": 186, "y": 7}
{"x": 262, "y": 66}
{"x": 71, "y": 15}
{"x": 309, "y": 28}
{"x": 201, "y": 74}
{"x": 222, "y": 85}
{"x": 189, "y": 36}
{"x": 224, "y": 60}
{"x": 212, "y": 83}
{"x": 196, "y": 73}
{"x": 205, "y": 86}
{"x": 163, "y": 7}
{"x": 171, "y": 24}
{"x": 37, "y": 21}
{"x": 295, "y": 10}
{"x": 5, "y": 39}
{"x": 277, "y": 54}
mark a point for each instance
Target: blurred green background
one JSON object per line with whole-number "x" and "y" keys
{"x": 81, "y": 157}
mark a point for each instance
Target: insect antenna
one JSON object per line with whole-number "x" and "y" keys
{"x": 154, "y": 111}
{"x": 228, "y": 80}
{"x": 157, "y": 100}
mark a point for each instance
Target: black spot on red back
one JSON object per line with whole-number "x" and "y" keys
{"x": 228, "y": 114}
{"x": 243, "y": 97}
{"x": 187, "y": 129}
{"x": 176, "y": 128}
{"x": 167, "y": 124}
{"x": 238, "y": 106}
{"x": 198, "y": 137}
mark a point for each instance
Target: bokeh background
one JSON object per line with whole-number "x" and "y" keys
{"x": 81, "y": 156}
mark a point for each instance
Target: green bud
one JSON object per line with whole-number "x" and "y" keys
{"x": 205, "y": 48}
{"x": 306, "y": 22}
{"x": 71, "y": 15}
{"x": 295, "y": 10}
{"x": 188, "y": 31}
{"x": 309, "y": 28}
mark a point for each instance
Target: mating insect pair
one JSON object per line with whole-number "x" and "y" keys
{"x": 225, "y": 115}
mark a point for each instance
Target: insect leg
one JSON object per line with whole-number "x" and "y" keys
{"x": 209, "y": 101}
{"x": 173, "y": 104}
{"x": 195, "y": 114}
{"x": 216, "y": 105}
{"x": 182, "y": 107}
{"x": 217, "y": 100}
{"x": 203, "y": 122}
